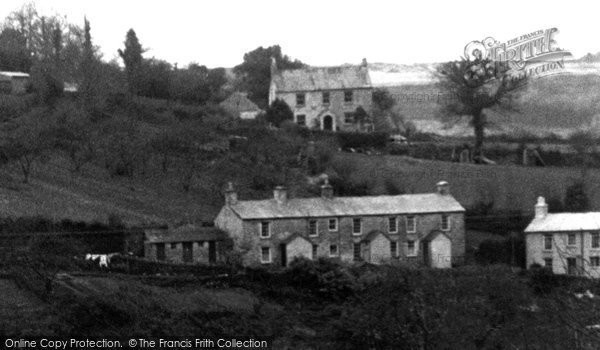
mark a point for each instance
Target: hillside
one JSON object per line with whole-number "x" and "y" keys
{"x": 556, "y": 104}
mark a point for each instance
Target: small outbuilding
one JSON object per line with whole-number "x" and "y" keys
{"x": 240, "y": 106}
{"x": 378, "y": 247}
{"x": 437, "y": 250}
{"x": 13, "y": 82}
{"x": 190, "y": 244}
{"x": 295, "y": 246}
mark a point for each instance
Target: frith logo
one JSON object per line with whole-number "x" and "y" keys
{"x": 533, "y": 54}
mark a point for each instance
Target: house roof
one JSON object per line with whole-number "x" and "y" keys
{"x": 237, "y": 102}
{"x": 371, "y": 235}
{"x": 347, "y": 206}
{"x": 293, "y": 236}
{"x": 15, "y": 74}
{"x": 322, "y": 78}
{"x": 562, "y": 222}
{"x": 433, "y": 235}
{"x": 186, "y": 233}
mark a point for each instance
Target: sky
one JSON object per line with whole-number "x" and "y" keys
{"x": 217, "y": 33}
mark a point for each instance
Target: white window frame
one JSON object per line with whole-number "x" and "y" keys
{"x": 569, "y": 235}
{"x": 395, "y": 228}
{"x": 415, "y": 245}
{"x": 337, "y": 250}
{"x": 447, "y": 228}
{"x": 303, "y": 94}
{"x": 335, "y": 220}
{"x": 414, "y": 225}
{"x": 351, "y": 94}
{"x": 316, "y": 234}
{"x": 262, "y": 261}
{"x": 544, "y": 241}
{"x": 260, "y": 229}
{"x": 297, "y": 119}
{"x": 328, "y": 97}
{"x": 592, "y": 240}
{"x": 361, "y": 227}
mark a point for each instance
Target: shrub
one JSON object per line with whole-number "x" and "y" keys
{"x": 376, "y": 140}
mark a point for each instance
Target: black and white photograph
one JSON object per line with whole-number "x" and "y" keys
{"x": 262, "y": 174}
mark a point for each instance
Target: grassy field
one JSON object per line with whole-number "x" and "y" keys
{"x": 508, "y": 187}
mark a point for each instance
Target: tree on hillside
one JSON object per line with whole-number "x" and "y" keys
{"x": 278, "y": 112}
{"x": 27, "y": 143}
{"x": 576, "y": 200}
{"x": 88, "y": 90}
{"x": 475, "y": 85}
{"x": 14, "y": 55}
{"x": 132, "y": 58}
{"x": 255, "y": 72}
{"x": 155, "y": 79}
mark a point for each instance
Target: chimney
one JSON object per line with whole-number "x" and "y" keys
{"x": 280, "y": 194}
{"x": 273, "y": 67}
{"x": 326, "y": 189}
{"x": 541, "y": 208}
{"x": 443, "y": 188}
{"x": 364, "y": 63}
{"x": 230, "y": 195}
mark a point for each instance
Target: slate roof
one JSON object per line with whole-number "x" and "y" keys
{"x": 433, "y": 235}
{"x": 347, "y": 206}
{"x": 14, "y": 74}
{"x": 322, "y": 78}
{"x": 371, "y": 236}
{"x": 237, "y": 102}
{"x": 186, "y": 233}
{"x": 564, "y": 222}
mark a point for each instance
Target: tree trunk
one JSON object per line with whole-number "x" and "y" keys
{"x": 479, "y": 131}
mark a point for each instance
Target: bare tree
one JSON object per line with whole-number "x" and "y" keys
{"x": 475, "y": 85}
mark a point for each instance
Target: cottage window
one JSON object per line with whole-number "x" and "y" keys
{"x": 173, "y": 245}
{"x": 333, "y": 250}
{"x": 548, "y": 263}
{"x": 571, "y": 239}
{"x": 357, "y": 252}
{"x": 326, "y": 97}
{"x": 349, "y": 117}
{"x": 392, "y": 224}
{"x": 411, "y": 248}
{"x": 300, "y": 99}
{"x": 445, "y": 222}
{"x": 595, "y": 240}
{"x": 394, "y": 249}
{"x": 348, "y": 96}
{"x": 548, "y": 242}
{"x": 301, "y": 119}
{"x": 356, "y": 226}
{"x": 315, "y": 249}
{"x": 265, "y": 255}
{"x": 595, "y": 261}
{"x": 313, "y": 228}
{"x": 333, "y": 224}
{"x": 265, "y": 229}
{"x": 411, "y": 224}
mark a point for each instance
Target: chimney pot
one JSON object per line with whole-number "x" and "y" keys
{"x": 230, "y": 194}
{"x": 326, "y": 189}
{"x": 541, "y": 208}
{"x": 443, "y": 188}
{"x": 280, "y": 194}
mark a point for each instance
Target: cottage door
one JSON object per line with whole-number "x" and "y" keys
{"x": 425, "y": 248}
{"x": 572, "y": 266}
{"x": 283, "y": 254}
{"x": 160, "y": 251}
{"x": 212, "y": 252}
{"x": 328, "y": 123}
{"x": 188, "y": 252}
